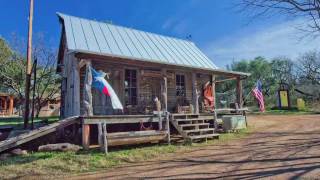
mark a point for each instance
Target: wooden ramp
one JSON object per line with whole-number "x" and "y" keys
{"x": 193, "y": 127}
{"x": 34, "y": 134}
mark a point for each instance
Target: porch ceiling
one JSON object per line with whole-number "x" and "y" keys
{"x": 137, "y": 62}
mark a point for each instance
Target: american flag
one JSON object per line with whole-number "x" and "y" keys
{"x": 257, "y": 93}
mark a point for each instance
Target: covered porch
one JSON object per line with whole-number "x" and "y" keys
{"x": 180, "y": 91}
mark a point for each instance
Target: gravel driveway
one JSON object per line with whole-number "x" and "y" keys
{"x": 282, "y": 147}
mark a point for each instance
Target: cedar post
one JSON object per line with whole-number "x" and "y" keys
{"x": 105, "y": 141}
{"x": 165, "y": 102}
{"x": 10, "y": 105}
{"x": 5, "y": 106}
{"x": 195, "y": 96}
{"x": 213, "y": 81}
{"x": 239, "y": 92}
{"x": 164, "y": 92}
{"x": 86, "y": 136}
{"x": 87, "y": 104}
{"x": 100, "y": 137}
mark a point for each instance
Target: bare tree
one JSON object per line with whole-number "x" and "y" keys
{"x": 12, "y": 73}
{"x": 309, "y": 66}
{"x": 309, "y": 9}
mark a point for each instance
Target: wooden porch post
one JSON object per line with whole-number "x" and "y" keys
{"x": 213, "y": 79}
{"x": 10, "y": 105}
{"x": 165, "y": 102}
{"x": 239, "y": 92}
{"x": 164, "y": 95}
{"x": 87, "y": 106}
{"x": 195, "y": 94}
{"x": 5, "y": 106}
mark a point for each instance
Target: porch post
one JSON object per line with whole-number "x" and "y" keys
{"x": 213, "y": 81}
{"x": 10, "y": 105}
{"x": 87, "y": 106}
{"x": 164, "y": 92}
{"x": 165, "y": 103}
{"x": 5, "y": 106}
{"x": 195, "y": 96}
{"x": 239, "y": 92}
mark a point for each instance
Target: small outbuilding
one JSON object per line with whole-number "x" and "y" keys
{"x": 141, "y": 67}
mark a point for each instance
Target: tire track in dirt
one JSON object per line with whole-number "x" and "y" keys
{"x": 281, "y": 147}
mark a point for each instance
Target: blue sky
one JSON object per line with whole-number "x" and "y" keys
{"x": 216, "y": 27}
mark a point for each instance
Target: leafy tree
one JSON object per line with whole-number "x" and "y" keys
{"x": 12, "y": 73}
{"x": 5, "y": 51}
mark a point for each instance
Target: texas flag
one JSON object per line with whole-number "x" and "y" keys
{"x": 103, "y": 86}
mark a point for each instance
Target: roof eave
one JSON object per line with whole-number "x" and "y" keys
{"x": 219, "y": 71}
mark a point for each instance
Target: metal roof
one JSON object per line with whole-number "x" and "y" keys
{"x": 83, "y": 35}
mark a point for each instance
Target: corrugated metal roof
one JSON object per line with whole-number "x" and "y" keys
{"x": 84, "y": 35}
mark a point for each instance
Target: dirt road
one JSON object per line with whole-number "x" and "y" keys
{"x": 283, "y": 147}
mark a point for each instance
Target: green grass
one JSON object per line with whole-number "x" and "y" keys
{"x": 64, "y": 163}
{"x": 18, "y": 121}
{"x": 285, "y": 112}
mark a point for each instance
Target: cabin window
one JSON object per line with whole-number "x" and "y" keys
{"x": 180, "y": 85}
{"x": 130, "y": 87}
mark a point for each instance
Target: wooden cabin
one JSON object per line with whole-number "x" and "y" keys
{"x": 6, "y": 104}
{"x": 141, "y": 67}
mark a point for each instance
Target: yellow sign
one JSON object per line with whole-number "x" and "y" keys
{"x": 301, "y": 104}
{"x": 284, "y": 98}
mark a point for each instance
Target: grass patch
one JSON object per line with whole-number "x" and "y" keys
{"x": 18, "y": 121}
{"x": 284, "y": 112}
{"x": 64, "y": 163}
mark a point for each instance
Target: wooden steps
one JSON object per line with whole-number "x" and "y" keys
{"x": 199, "y": 130}
{"x": 194, "y": 127}
{"x": 204, "y": 136}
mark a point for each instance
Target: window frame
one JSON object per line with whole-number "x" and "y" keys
{"x": 180, "y": 86}
{"x": 131, "y": 87}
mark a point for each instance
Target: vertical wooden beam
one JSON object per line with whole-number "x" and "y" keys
{"x": 165, "y": 90}
{"x": 165, "y": 103}
{"x": 213, "y": 81}
{"x": 10, "y": 105}
{"x": 87, "y": 103}
{"x": 87, "y": 94}
{"x": 105, "y": 141}
{"x": 100, "y": 137}
{"x": 195, "y": 94}
{"x": 239, "y": 92}
{"x": 5, "y": 106}
{"x": 168, "y": 128}
{"x": 85, "y": 136}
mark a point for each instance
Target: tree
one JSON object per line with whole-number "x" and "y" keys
{"x": 260, "y": 69}
{"x": 309, "y": 66}
{"x": 5, "y": 51}
{"x": 308, "y": 9}
{"x": 12, "y": 73}
{"x": 283, "y": 70}
{"x": 309, "y": 74}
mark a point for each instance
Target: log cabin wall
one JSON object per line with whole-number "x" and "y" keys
{"x": 148, "y": 87}
{"x": 70, "y": 89}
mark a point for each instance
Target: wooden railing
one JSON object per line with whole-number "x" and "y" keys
{"x": 106, "y": 139}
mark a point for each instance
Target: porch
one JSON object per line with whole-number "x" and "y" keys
{"x": 180, "y": 92}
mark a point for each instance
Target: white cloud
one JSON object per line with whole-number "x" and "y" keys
{"x": 269, "y": 41}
